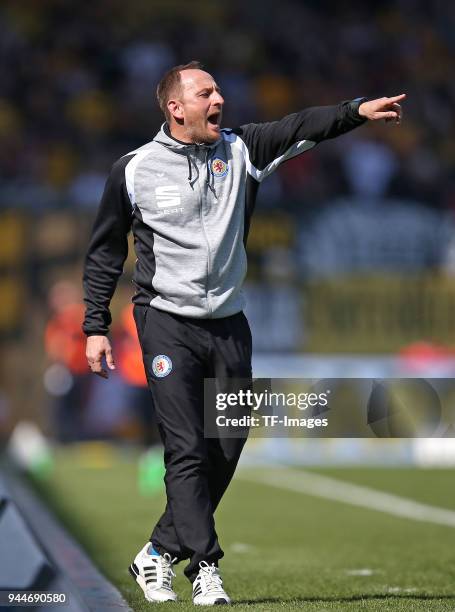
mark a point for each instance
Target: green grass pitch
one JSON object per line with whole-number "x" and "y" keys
{"x": 284, "y": 550}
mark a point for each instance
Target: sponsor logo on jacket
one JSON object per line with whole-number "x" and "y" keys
{"x": 167, "y": 196}
{"x": 168, "y": 199}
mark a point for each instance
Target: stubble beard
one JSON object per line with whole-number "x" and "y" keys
{"x": 199, "y": 135}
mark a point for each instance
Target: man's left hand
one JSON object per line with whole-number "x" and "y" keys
{"x": 383, "y": 108}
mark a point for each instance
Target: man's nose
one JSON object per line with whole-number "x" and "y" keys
{"x": 218, "y": 99}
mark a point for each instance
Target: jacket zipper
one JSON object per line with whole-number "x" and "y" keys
{"x": 209, "y": 258}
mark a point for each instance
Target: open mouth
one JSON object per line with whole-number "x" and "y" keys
{"x": 214, "y": 119}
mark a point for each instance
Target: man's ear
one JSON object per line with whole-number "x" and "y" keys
{"x": 175, "y": 108}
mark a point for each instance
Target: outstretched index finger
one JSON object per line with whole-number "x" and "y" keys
{"x": 397, "y": 98}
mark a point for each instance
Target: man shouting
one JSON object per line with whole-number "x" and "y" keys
{"x": 188, "y": 196}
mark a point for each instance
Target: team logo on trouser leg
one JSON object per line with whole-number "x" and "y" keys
{"x": 162, "y": 366}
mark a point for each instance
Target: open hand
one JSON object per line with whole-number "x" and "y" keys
{"x": 383, "y": 108}
{"x": 97, "y": 348}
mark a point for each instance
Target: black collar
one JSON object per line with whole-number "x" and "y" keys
{"x": 167, "y": 131}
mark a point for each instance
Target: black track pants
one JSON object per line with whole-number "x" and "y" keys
{"x": 198, "y": 469}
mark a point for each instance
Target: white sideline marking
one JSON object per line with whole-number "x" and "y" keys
{"x": 360, "y": 572}
{"x": 241, "y": 547}
{"x": 348, "y": 493}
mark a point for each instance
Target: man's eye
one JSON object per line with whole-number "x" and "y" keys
{"x": 205, "y": 95}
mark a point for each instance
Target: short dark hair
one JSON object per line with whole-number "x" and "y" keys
{"x": 171, "y": 82}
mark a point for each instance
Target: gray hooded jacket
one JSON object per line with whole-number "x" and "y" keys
{"x": 189, "y": 207}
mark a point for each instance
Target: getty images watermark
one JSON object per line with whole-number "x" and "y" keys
{"x": 329, "y": 408}
{"x": 260, "y": 403}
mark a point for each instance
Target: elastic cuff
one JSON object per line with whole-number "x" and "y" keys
{"x": 354, "y": 104}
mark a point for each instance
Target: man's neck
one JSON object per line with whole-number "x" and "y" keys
{"x": 178, "y": 133}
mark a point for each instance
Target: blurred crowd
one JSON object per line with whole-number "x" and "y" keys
{"x": 83, "y": 406}
{"x": 78, "y": 83}
{"x": 77, "y": 92}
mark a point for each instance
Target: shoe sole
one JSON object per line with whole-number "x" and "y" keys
{"x": 217, "y": 602}
{"x": 134, "y": 571}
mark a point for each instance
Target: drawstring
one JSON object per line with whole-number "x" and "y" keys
{"x": 209, "y": 179}
{"x": 190, "y": 171}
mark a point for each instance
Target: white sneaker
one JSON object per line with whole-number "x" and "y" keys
{"x": 208, "y": 587}
{"x": 154, "y": 574}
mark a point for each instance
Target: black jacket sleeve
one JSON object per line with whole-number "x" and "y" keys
{"x": 267, "y": 142}
{"x": 107, "y": 251}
